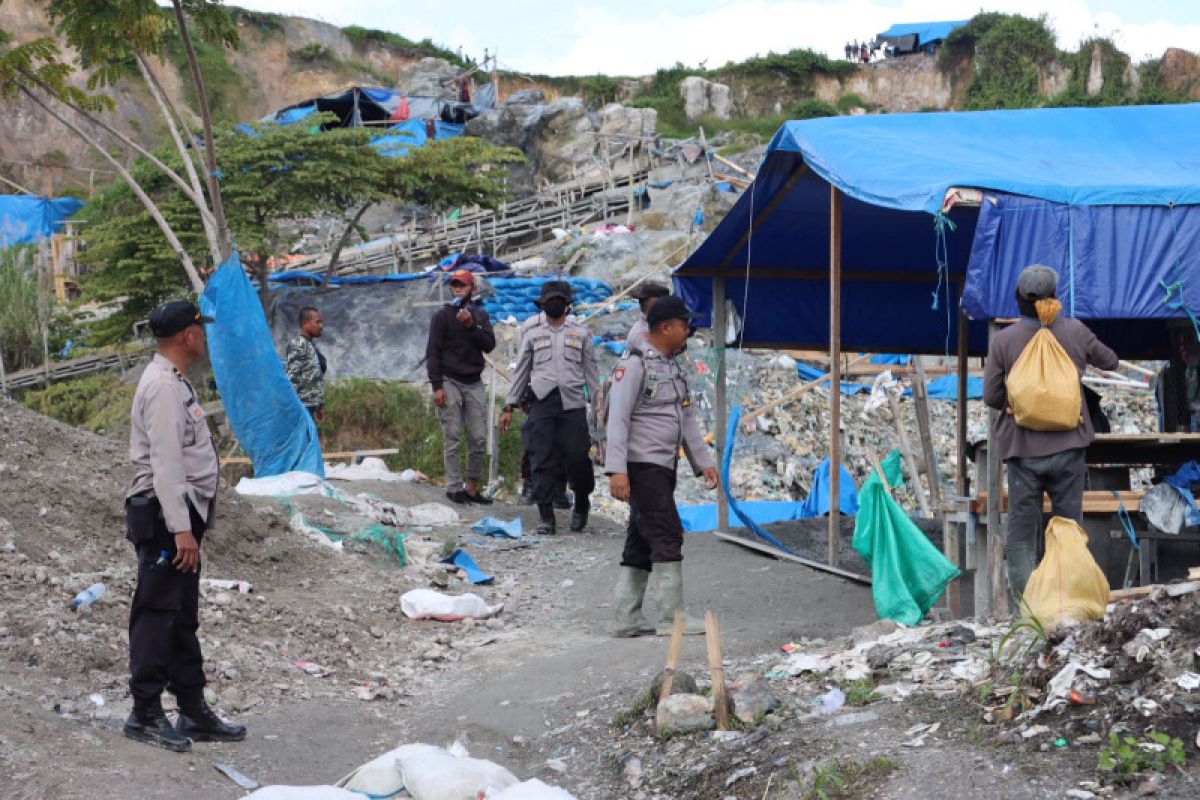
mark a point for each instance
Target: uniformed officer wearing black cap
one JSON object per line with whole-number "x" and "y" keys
{"x": 556, "y": 363}
{"x": 167, "y": 510}
{"x": 645, "y": 294}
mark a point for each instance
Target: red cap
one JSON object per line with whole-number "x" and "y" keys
{"x": 463, "y": 276}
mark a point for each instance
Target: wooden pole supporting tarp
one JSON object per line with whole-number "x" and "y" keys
{"x": 722, "y": 411}
{"x": 835, "y": 373}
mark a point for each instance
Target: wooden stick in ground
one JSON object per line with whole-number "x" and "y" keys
{"x": 712, "y": 639}
{"x": 672, "y": 658}
{"x": 1136, "y": 368}
{"x": 920, "y": 390}
{"x": 874, "y": 459}
{"x": 794, "y": 394}
{"x": 909, "y": 458}
{"x": 732, "y": 165}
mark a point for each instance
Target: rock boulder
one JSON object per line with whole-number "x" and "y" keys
{"x": 704, "y": 97}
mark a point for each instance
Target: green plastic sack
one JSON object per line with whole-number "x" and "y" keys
{"x": 908, "y": 574}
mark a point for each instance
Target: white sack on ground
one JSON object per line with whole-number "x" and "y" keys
{"x": 428, "y": 604}
{"x": 285, "y": 485}
{"x": 437, "y": 774}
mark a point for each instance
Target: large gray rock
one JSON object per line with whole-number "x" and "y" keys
{"x": 682, "y": 683}
{"x": 427, "y": 78}
{"x": 681, "y": 713}
{"x": 752, "y": 699}
{"x": 704, "y": 97}
{"x": 526, "y": 97}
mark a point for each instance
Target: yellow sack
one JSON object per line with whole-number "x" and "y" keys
{"x": 1043, "y": 386}
{"x": 1068, "y": 586}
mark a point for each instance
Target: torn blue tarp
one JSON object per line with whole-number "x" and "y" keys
{"x": 817, "y": 502}
{"x": 890, "y": 358}
{"x": 926, "y": 32}
{"x": 731, "y": 431}
{"x": 275, "y": 430}
{"x": 490, "y": 526}
{"x": 1182, "y": 482}
{"x": 27, "y": 218}
{"x": 946, "y": 387}
{"x": 462, "y": 559}
{"x": 810, "y": 373}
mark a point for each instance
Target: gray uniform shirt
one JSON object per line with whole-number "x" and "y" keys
{"x": 637, "y": 335}
{"x": 650, "y": 415}
{"x": 170, "y": 445}
{"x": 552, "y": 358}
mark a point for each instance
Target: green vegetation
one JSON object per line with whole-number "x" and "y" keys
{"x": 94, "y": 402}
{"x": 314, "y": 53}
{"x": 265, "y": 22}
{"x": 860, "y": 693}
{"x": 22, "y": 313}
{"x": 367, "y": 414}
{"x": 364, "y": 37}
{"x": 848, "y": 102}
{"x": 641, "y": 704}
{"x": 797, "y": 67}
{"x": 847, "y": 778}
{"x": 224, "y": 84}
{"x": 1127, "y": 757}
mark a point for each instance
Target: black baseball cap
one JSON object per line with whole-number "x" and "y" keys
{"x": 555, "y": 289}
{"x": 171, "y": 318}
{"x": 665, "y": 308}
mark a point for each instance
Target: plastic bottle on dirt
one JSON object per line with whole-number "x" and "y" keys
{"x": 88, "y": 596}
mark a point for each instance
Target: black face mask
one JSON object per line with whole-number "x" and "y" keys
{"x": 555, "y": 307}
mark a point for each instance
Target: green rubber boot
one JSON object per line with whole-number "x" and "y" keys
{"x": 631, "y": 590}
{"x": 670, "y": 600}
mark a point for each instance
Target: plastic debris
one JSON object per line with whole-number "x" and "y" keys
{"x": 830, "y": 702}
{"x": 249, "y": 784}
{"x": 429, "y": 604}
{"x": 490, "y": 526}
{"x": 462, "y": 559}
{"x": 313, "y": 668}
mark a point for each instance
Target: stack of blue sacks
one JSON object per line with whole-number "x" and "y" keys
{"x": 514, "y": 296}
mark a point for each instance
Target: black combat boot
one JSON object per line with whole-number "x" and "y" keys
{"x": 526, "y": 496}
{"x": 579, "y": 516}
{"x": 198, "y": 722}
{"x": 147, "y": 723}
{"x": 547, "y": 527}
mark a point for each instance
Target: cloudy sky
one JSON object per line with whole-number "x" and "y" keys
{"x": 632, "y": 37}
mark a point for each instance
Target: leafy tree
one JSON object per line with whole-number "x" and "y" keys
{"x": 272, "y": 174}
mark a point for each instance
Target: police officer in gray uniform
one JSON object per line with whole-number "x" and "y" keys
{"x": 650, "y": 417}
{"x": 646, "y": 294}
{"x": 556, "y": 363}
{"x": 168, "y": 509}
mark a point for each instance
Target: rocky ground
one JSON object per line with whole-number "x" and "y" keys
{"x": 542, "y": 688}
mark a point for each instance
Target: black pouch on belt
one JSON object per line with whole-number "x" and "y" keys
{"x": 142, "y": 513}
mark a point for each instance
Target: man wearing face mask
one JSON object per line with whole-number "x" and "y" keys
{"x": 650, "y": 418}
{"x": 556, "y": 363}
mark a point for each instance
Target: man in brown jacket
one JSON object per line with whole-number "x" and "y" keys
{"x": 1038, "y": 461}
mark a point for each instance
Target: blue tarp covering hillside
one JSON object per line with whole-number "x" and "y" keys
{"x": 27, "y": 218}
{"x": 1088, "y": 169}
{"x": 274, "y": 429}
{"x": 925, "y": 32}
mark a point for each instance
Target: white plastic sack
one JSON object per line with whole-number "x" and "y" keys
{"x": 381, "y": 776}
{"x": 432, "y": 514}
{"x": 285, "y": 485}
{"x": 302, "y": 793}
{"x": 300, "y": 525}
{"x": 532, "y": 789}
{"x": 436, "y": 774}
{"x": 371, "y": 469}
{"x": 428, "y": 604}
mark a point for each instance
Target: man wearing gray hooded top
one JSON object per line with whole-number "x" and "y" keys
{"x": 650, "y": 417}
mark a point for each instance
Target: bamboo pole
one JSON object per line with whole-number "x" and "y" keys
{"x": 722, "y": 418}
{"x": 835, "y": 374}
{"x": 910, "y": 458}
{"x": 995, "y": 577}
{"x": 716, "y": 670}
{"x": 961, "y": 411}
{"x": 920, "y": 391}
{"x": 672, "y": 660}
{"x": 795, "y": 394}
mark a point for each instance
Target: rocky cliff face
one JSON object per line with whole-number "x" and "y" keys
{"x": 279, "y": 63}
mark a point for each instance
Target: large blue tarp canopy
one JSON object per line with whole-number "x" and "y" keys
{"x": 28, "y": 219}
{"x": 1106, "y": 196}
{"x": 925, "y": 32}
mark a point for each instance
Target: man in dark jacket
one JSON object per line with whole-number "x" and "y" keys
{"x": 1038, "y": 461}
{"x": 459, "y": 334}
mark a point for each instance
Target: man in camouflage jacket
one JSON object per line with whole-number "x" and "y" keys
{"x": 306, "y": 365}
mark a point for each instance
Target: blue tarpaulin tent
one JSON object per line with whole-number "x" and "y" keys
{"x": 1106, "y": 196}
{"x": 28, "y": 219}
{"x": 926, "y": 32}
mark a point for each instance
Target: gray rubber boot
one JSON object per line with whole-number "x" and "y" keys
{"x": 631, "y": 590}
{"x": 670, "y": 600}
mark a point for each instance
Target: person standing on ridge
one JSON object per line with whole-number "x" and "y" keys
{"x": 168, "y": 509}
{"x": 459, "y": 335}
{"x": 557, "y": 364}
{"x": 650, "y": 418}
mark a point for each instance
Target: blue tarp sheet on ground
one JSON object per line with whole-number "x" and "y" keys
{"x": 895, "y": 170}
{"x": 274, "y": 429}
{"x": 27, "y": 218}
{"x": 1182, "y": 482}
{"x": 924, "y": 31}
{"x": 403, "y": 136}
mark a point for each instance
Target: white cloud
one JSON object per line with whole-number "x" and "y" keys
{"x": 587, "y": 38}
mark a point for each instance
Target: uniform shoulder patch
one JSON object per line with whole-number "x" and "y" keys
{"x": 618, "y": 373}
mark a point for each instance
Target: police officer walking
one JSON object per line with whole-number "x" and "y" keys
{"x": 168, "y": 508}
{"x": 556, "y": 363}
{"x": 646, "y": 294}
{"x": 650, "y": 417}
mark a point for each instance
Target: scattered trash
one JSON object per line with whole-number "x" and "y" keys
{"x": 490, "y": 526}
{"x": 434, "y": 773}
{"x": 314, "y": 533}
{"x": 84, "y": 599}
{"x": 919, "y": 732}
{"x": 429, "y": 604}
{"x": 313, "y": 668}
{"x": 1068, "y": 585}
{"x": 241, "y": 780}
{"x": 462, "y": 559}
{"x": 532, "y": 789}
{"x": 97, "y": 699}
{"x": 371, "y": 469}
{"x": 830, "y": 702}
{"x": 1060, "y": 742}
{"x": 1188, "y": 681}
{"x": 243, "y": 587}
{"x": 303, "y": 793}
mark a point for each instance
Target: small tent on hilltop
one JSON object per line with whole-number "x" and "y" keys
{"x": 910, "y": 37}
{"x": 870, "y": 233}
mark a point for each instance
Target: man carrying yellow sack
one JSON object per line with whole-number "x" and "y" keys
{"x": 1041, "y": 454}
